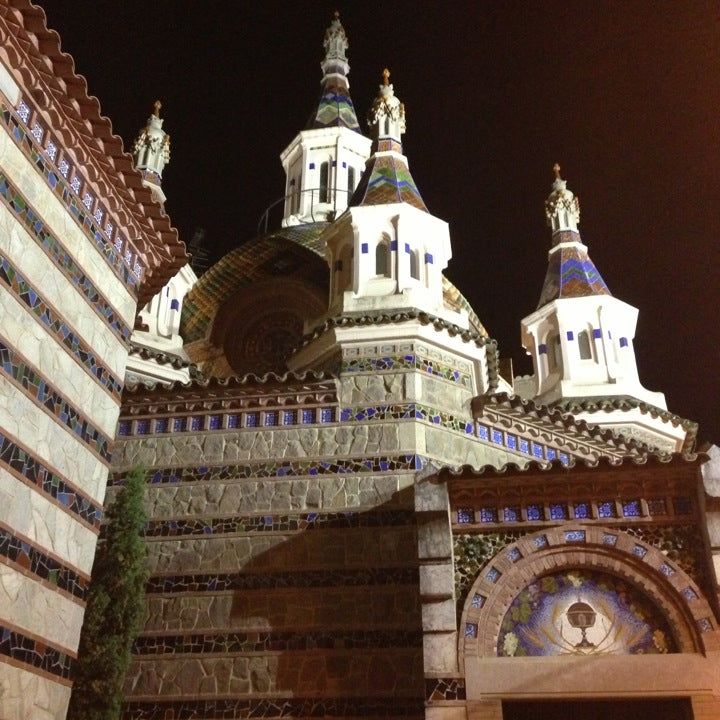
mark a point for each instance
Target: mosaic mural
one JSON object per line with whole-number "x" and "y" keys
{"x": 576, "y": 612}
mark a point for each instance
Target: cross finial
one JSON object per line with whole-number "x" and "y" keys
{"x": 156, "y": 108}
{"x": 386, "y": 76}
{"x": 556, "y": 170}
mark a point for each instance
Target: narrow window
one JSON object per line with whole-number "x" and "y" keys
{"x": 382, "y": 259}
{"x": 324, "y": 175}
{"x": 584, "y": 345}
{"x": 351, "y": 182}
{"x": 554, "y": 353}
{"x": 415, "y": 265}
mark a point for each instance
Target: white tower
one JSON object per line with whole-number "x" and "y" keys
{"x": 387, "y": 252}
{"x": 581, "y": 338}
{"x": 324, "y": 162}
{"x": 151, "y": 152}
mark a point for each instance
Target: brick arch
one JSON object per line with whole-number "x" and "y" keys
{"x": 594, "y": 548}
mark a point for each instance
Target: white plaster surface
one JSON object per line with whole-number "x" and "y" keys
{"x": 26, "y": 696}
{"x": 30, "y": 606}
{"x": 43, "y": 351}
{"x": 31, "y": 514}
{"x": 8, "y": 86}
{"x": 39, "y": 269}
{"x": 64, "y": 227}
{"x": 51, "y": 442}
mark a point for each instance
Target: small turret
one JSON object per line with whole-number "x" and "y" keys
{"x": 151, "y": 152}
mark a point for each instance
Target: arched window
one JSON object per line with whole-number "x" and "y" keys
{"x": 554, "y": 353}
{"x": 351, "y": 182}
{"x": 294, "y": 197}
{"x": 584, "y": 345}
{"x": 324, "y": 182}
{"x": 382, "y": 259}
{"x": 415, "y": 264}
{"x": 346, "y": 268}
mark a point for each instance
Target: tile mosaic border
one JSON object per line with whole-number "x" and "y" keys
{"x": 410, "y": 361}
{"x": 440, "y": 689}
{"x": 27, "y": 378}
{"x": 220, "y": 582}
{"x": 54, "y": 249}
{"x": 46, "y": 315}
{"x": 283, "y": 469}
{"x": 41, "y": 152}
{"x": 26, "y": 556}
{"x": 281, "y": 707}
{"x": 36, "y": 654}
{"x": 261, "y": 642}
{"x": 22, "y": 462}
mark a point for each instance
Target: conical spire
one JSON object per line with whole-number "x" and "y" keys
{"x": 571, "y": 273}
{"x": 387, "y": 177}
{"x": 151, "y": 152}
{"x": 335, "y": 108}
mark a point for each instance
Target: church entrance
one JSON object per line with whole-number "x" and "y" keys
{"x": 657, "y": 709}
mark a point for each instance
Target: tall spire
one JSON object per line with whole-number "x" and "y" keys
{"x": 387, "y": 177}
{"x": 151, "y": 152}
{"x": 335, "y": 108}
{"x": 571, "y": 273}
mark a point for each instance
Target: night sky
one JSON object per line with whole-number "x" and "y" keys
{"x": 625, "y": 96}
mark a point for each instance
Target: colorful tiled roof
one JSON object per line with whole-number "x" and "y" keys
{"x": 571, "y": 273}
{"x": 335, "y": 108}
{"x": 386, "y": 180}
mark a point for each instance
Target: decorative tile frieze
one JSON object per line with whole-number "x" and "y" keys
{"x": 246, "y": 642}
{"x": 288, "y": 707}
{"x": 30, "y": 467}
{"x": 27, "y": 377}
{"x": 35, "y": 653}
{"x": 269, "y": 581}
{"x": 410, "y": 361}
{"x": 58, "y": 328}
{"x": 37, "y": 229}
{"x": 295, "y": 468}
{"x": 54, "y": 169}
{"x": 278, "y": 523}
{"x": 34, "y": 561}
{"x": 438, "y": 689}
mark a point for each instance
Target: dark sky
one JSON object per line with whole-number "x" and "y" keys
{"x": 624, "y": 95}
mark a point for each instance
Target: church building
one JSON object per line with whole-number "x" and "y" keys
{"x": 355, "y": 510}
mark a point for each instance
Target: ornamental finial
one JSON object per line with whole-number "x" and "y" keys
{"x": 386, "y": 76}
{"x": 156, "y": 108}
{"x": 556, "y": 170}
{"x": 562, "y": 208}
{"x": 336, "y": 14}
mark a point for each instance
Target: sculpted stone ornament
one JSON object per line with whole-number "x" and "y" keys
{"x": 387, "y": 112}
{"x": 562, "y": 208}
{"x": 152, "y": 146}
{"x": 336, "y": 42}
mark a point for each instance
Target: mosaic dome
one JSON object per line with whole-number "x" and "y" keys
{"x": 246, "y": 313}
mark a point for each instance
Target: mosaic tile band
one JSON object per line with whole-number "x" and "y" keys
{"x": 42, "y": 160}
{"x": 269, "y": 581}
{"x": 278, "y": 523}
{"x": 312, "y": 468}
{"x": 244, "y": 708}
{"x": 28, "y": 378}
{"x": 21, "y": 461}
{"x": 438, "y": 689}
{"x": 32, "y": 222}
{"x": 55, "y": 324}
{"x": 248, "y": 642}
{"x": 34, "y": 653}
{"x": 407, "y": 362}
{"x": 33, "y": 560}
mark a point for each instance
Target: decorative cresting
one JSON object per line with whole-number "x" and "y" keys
{"x": 680, "y": 607}
{"x": 151, "y": 152}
